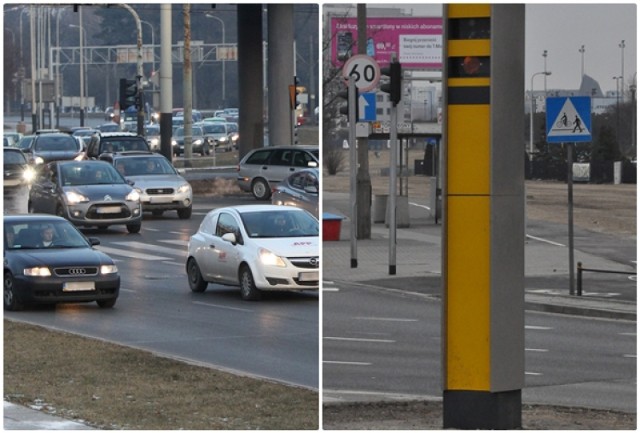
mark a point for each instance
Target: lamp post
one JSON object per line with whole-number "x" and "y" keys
{"x": 617, "y": 109}
{"x": 153, "y": 43}
{"x": 544, "y": 55}
{"x": 581, "y": 51}
{"x": 224, "y": 75}
{"x": 82, "y": 71}
{"x": 621, "y": 45}
{"x": 545, "y": 73}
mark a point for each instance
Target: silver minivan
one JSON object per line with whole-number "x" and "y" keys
{"x": 261, "y": 169}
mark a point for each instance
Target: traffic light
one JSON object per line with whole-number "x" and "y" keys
{"x": 394, "y": 86}
{"x": 128, "y": 93}
{"x": 344, "y": 109}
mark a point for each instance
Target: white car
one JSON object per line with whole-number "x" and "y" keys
{"x": 257, "y": 247}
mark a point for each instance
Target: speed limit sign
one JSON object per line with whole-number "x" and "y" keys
{"x": 365, "y": 71}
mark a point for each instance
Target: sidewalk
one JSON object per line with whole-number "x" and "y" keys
{"x": 17, "y": 417}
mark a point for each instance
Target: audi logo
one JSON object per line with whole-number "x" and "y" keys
{"x": 314, "y": 261}
{"x": 77, "y": 271}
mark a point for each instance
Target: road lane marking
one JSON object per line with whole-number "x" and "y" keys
{"x": 531, "y": 373}
{"x": 536, "y": 350}
{"x": 131, "y": 254}
{"x": 629, "y": 356}
{"x": 537, "y": 328}
{"x": 546, "y": 241}
{"x": 362, "y": 340}
{"x": 179, "y": 242}
{"x": 153, "y": 247}
{"x": 224, "y": 307}
{"x": 346, "y": 363}
{"x": 628, "y": 334}
{"x": 386, "y": 319}
{"x": 420, "y": 205}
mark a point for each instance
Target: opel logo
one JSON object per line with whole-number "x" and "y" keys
{"x": 314, "y": 261}
{"x": 77, "y": 271}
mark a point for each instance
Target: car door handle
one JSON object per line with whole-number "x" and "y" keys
{"x": 264, "y": 167}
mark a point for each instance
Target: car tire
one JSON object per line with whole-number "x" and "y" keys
{"x": 11, "y": 301}
{"x": 260, "y": 189}
{"x": 185, "y": 213}
{"x": 248, "y": 289}
{"x": 107, "y": 303}
{"x": 196, "y": 282}
{"x": 134, "y": 228}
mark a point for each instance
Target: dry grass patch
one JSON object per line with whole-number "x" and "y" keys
{"x": 114, "y": 387}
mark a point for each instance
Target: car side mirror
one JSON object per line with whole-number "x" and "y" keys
{"x": 94, "y": 241}
{"x": 312, "y": 164}
{"x": 311, "y": 189}
{"x": 230, "y": 237}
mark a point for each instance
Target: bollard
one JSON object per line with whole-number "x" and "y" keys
{"x": 579, "y": 282}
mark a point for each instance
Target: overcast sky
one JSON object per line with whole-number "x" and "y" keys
{"x": 562, "y": 29}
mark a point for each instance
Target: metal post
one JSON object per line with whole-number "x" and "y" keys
{"x": 166, "y": 79}
{"x": 393, "y": 189}
{"x": 570, "y": 213}
{"x": 579, "y": 279}
{"x": 353, "y": 163}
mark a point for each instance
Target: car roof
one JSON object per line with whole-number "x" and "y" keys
{"x": 247, "y": 208}
{"x": 32, "y": 218}
{"x": 118, "y": 134}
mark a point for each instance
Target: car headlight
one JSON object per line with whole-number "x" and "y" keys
{"x": 38, "y": 160}
{"x": 108, "y": 269}
{"x": 184, "y": 188}
{"x": 198, "y": 141}
{"x": 75, "y": 198}
{"x": 28, "y": 175}
{"x": 154, "y": 142}
{"x": 174, "y": 143}
{"x": 134, "y": 195}
{"x": 222, "y": 139}
{"x": 38, "y": 271}
{"x": 270, "y": 259}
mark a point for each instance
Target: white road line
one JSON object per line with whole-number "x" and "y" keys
{"x": 536, "y": 350}
{"x": 628, "y": 334}
{"x": 546, "y": 241}
{"x": 531, "y": 373}
{"x": 420, "y": 205}
{"x": 330, "y": 289}
{"x": 153, "y": 247}
{"x": 175, "y": 242}
{"x": 346, "y": 363}
{"x": 629, "y": 356}
{"x": 131, "y": 254}
{"x": 386, "y": 319}
{"x": 224, "y": 307}
{"x": 537, "y": 328}
{"x": 363, "y": 340}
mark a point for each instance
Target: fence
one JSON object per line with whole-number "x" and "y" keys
{"x": 582, "y": 269}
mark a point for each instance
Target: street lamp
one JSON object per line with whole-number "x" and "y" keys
{"x": 544, "y": 54}
{"x": 621, "y": 45}
{"x": 82, "y": 69}
{"x": 581, "y": 51}
{"x": 224, "y": 62}
{"x": 545, "y": 73}
{"x": 617, "y": 109}
{"x": 153, "y": 43}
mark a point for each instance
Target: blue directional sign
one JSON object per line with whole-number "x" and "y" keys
{"x": 568, "y": 119}
{"x": 367, "y": 107}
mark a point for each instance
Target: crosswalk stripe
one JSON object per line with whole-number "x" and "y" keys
{"x": 175, "y": 242}
{"x": 131, "y": 254}
{"x": 155, "y": 248}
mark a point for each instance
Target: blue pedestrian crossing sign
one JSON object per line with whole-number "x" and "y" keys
{"x": 568, "y": 119}
{"x": 367, "y": 107}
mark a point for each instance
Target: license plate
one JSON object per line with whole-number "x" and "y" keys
{"x": 108, "y": 209}
{"x": 156, "y": 199}
{"x": 308, "y": 276}
{"x": 78, "y": 286}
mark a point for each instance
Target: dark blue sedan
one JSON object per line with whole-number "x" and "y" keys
{"x": 47, "y": 260}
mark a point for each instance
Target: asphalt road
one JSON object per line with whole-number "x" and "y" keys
{"x": 276, "y": 338}
{"x": 380, "y": 343}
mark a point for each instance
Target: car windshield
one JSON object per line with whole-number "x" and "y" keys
{"x": 143, "y": 166}
{"x": 25, "y": 142}
{"x": 14, "y": 158}
{"x": 195, "y": 131}
{"x": 122, "y": 144}
{"x": 214, "y": 128}
{"x": 279, "y": 224}
{"x": 85, "y": 173}
{"x": 57, "y": 143}
{"x": 152, "y": 130}
{"x": 42, "y": 234}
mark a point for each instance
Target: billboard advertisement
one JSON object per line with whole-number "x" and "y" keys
{"x": 417, "y": 42}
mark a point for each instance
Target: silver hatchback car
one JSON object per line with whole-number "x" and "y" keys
{"x": 262, "y": 169}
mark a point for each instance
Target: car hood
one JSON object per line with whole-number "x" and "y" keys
{"x": 56, "y": 257}
{"x": 99, "y": 192}
{"x": 55, "y": 155}
{"x": 292, "y": 247}
{"x": 157, "y": 181}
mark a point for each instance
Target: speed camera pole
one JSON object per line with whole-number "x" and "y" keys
{"x": 353, "y": 165}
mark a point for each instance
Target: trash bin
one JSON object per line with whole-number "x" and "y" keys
{"x": 331, "y": 225}
{"x": 380, "y": 208}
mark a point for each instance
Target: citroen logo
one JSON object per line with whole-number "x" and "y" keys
{"x": 107, "y": 198}
{"x": 77, "y": 271}
{"x": 314, "y": 261}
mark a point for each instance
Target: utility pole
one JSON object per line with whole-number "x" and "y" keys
{"x": 166, "y": 80}
{"x": 188, "y": 118}
{"x": 363, "y": 179}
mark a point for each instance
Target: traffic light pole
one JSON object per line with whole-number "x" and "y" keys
{"x": 353, "y": 164}
{"x": 393, "y": 187}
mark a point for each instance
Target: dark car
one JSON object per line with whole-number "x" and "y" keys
{"x": 17, "y": 171}
{"x": 301, "y": 189}
{"x": 47, "y": 261}
{"x": 87, "y": 193}
{"x": 105, "y": 143}
{"x": 56, "y": 146}
{"x": 199, "y": 144}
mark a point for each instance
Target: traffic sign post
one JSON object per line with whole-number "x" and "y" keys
{"x": 365, "y": 71}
